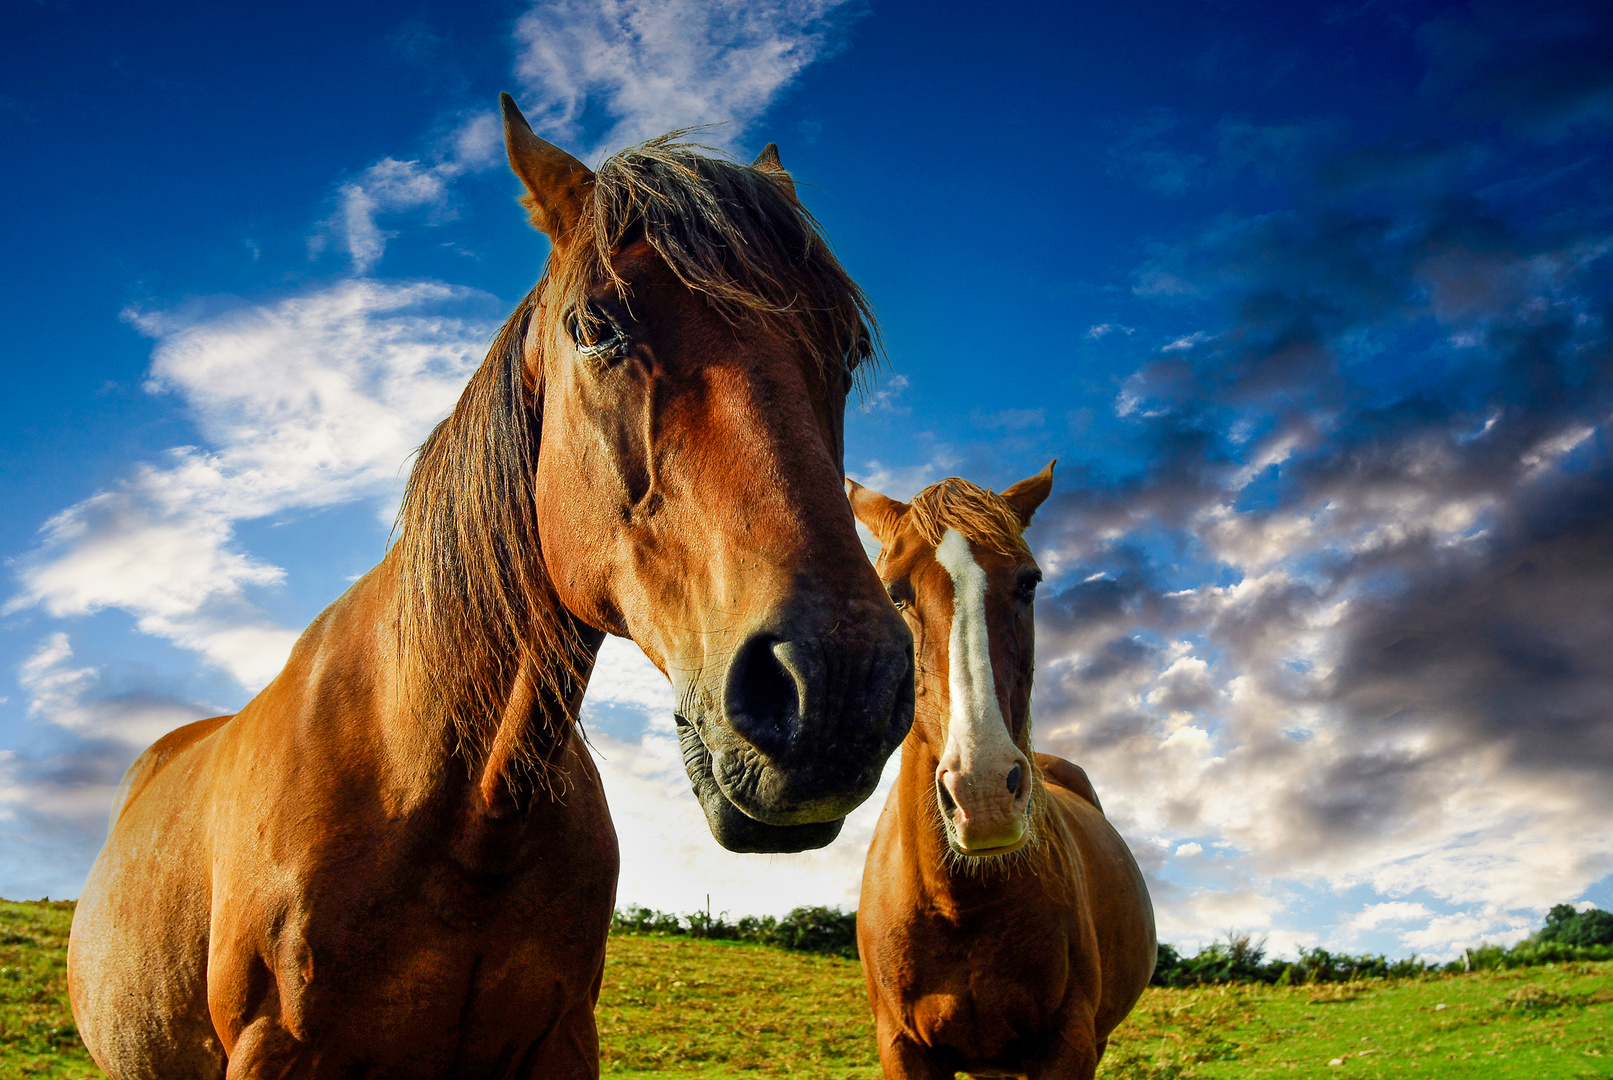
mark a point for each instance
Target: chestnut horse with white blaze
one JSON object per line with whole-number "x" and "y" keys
{"x": 397, "y": 860}
{"x": 1004, "y": 926}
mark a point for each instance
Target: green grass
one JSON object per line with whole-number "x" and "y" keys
{"x": 1528, "y": 1024}
{"x": 682, "y": 1007}
{"x": 37, "y": 1036}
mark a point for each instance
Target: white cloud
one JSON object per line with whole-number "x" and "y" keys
{"x": 670, "y": 862}
{"x": 67, "y": 697}
{"x": 1394, "y": 911}
{"x": 649, "y": 66}
{"x": 392, "y": 186}
{"x": 884, "y": 398}
{"x": 1189, "y": 849}
{"x": 904, "y": 481}
{"x": 309, "y": 402}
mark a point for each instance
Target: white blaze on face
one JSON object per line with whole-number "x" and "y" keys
{"x": 979, "y": 754}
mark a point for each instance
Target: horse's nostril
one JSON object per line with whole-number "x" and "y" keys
{"x": 763, "y": 697}
{"x": 1013, "y": 780}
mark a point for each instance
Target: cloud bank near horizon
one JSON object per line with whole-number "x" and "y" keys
{"x": 1347, "y": 626}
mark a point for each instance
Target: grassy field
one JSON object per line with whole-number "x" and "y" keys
{"x": 677, "y": 1007}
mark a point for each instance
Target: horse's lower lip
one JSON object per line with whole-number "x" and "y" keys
{"x": 975, "y": 853}
{"x": 730, "y": 824}
{"x": 765, "y": 792}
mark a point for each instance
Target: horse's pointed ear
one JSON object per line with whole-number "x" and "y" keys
{"x": 768, "y": 162}
{"x": 1030, "y": 493}
{"x": 881, "y": 514}
{"x": 556, "y": 183}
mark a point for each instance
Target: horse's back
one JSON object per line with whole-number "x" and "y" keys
{"x": 1069, "y": 775}
{"x": 1118, "y": 905}
{"x": 137, "y": 957}
{"x": 154, "y": 757}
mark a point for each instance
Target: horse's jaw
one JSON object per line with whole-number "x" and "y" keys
{"x": 732, "y": 827}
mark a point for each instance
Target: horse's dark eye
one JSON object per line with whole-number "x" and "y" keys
{"x": 1025, "y": 591}
{"x": 860, "y": 350}
{"x": 900, "y": 594}
{"x": 596, "y": 335}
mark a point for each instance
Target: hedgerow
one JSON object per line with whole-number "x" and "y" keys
{"x": 806, "y": 929}
{"x": 1568, "y": 935}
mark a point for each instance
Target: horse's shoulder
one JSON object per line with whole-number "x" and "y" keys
{"x": 1069, "y": 776}
{"x": 157, "y": 755}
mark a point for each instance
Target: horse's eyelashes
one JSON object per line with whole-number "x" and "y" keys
{"x": 597, "y": 336}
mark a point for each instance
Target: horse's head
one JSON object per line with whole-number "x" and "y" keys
{"x": 956, "y": 564}
{"x": 691, "y": 349}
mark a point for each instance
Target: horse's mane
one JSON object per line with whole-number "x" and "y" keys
{"x": 980, "y": 515}
{"x": 733, "y": 233}
{"x": 477, "y": 607}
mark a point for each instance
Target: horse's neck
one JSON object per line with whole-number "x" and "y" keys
{"x": 506, "y": 772}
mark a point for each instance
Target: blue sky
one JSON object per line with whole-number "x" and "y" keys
{"x": 1311, "y": 303}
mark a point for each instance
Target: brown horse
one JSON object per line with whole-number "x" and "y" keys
{"x": 1004, "y": 927}
{"x": 397, "y": 859}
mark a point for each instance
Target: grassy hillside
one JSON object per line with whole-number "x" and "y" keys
{"x": 37, "y": 1036}
{"x": 682, "y": 1007}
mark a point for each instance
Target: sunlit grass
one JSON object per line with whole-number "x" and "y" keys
{"x": 37, "y": 1036}
{"x": 682, "y": 1007}
{"x": 1543, "y": 1022}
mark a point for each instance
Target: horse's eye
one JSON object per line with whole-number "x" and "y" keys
{"x": 596, "y": 335}
{"x": 900, "y": 594}
{"x": 1025, "y": 591}
{"x": 860, "y": 350}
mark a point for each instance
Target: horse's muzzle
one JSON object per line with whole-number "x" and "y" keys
{"x": 802, "y": 728}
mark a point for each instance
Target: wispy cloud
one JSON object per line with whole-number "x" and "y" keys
{"x": 73, "y": 699}
{"x": 309, "y": 402}
{"x": 884, "y": 399}
{"x": 391, "y": 186}
{"x": 615, "y": 72}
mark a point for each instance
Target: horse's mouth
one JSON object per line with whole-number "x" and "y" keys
{"x": 986, "y": 853}
{"x": 944, "y": 810}
{"x": 732, "y": 827}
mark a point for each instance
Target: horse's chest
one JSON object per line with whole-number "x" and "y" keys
{"x": 989, "y": 1003}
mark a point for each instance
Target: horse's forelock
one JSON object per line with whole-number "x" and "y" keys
{"x": 982, "y": 516}
{"x": 732, "y": 233}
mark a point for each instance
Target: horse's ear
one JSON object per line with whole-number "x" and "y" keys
{"x": 556, "y": 183}
{"x": 1030, "y": 493}
{"x": 767, "y": 161}
{"x": 882, "y": 515}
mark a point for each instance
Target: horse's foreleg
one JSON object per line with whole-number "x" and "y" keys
{"x": 900, "y": 1058}
{"x": 1074, "y": 1057}
{"x": 569, "y": 1052}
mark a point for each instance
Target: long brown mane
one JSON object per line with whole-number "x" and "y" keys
{"x": 477, "y": 607}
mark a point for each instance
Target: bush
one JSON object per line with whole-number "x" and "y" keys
{"x": 1583, "y": 929}
{"x": 806, "y": 929}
